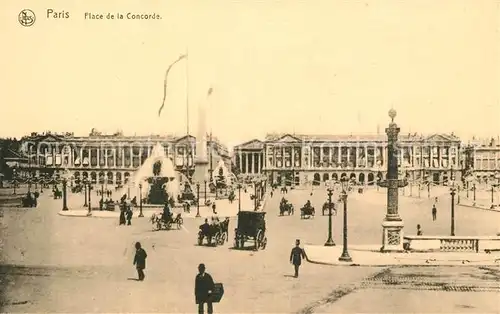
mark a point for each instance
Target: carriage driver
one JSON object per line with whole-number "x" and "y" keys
{"x": 166, "y": 212}
{"x": 205, "y": 228}
{"x": 308, "y": 204}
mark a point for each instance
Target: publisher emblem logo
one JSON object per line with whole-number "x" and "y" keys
{"x": 27, "y": 18}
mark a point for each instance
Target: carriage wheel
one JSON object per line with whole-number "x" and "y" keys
{"x": 222, "y": 239}
{"x": 179, "y": 223}
{"x": 217, "y": 238}
{"x": 236, "y": 242}
{"x": 259, "y": 239}
{"x": 264, "y": 243}
{"x": 169, "y": 225}
{"x": 200, "y": 239}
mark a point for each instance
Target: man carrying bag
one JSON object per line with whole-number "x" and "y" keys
{"x": 203, "y": 288}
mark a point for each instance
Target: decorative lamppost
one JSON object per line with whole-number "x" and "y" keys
{"x": 452, "y": 193}
{"x": 392, "y": 224}
{"x": 65, "y": 192}
{"x": 102, "y": 196}
{"x": 474, "y": 194}
{"x": 419, "y": 188}
{"x": 90, "y": 202}
{"x": 458, "y": 194}
{"x": 205, "y": 191}
{"x": 345, "y": 257}
{"x": 128, "y": 189}
{"x": 329, "y": 241}
{"x": 198, "y": 197}
{"x": 255, "y": 195}
{"x": 140, "y": 200}
{"x": 14, "y": 172}
{"x": 85, "y": 184}
{"x": 428, "y": 189}
{"x": 239, "y": 197}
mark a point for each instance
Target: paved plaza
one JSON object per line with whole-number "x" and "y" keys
{"x": 53, "y": 263}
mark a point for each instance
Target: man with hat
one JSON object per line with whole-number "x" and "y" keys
{"x": 296, "y": 257}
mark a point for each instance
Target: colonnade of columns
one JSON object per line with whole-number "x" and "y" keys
{"x": 250, "y": 162}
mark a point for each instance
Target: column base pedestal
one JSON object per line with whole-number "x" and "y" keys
{"x": 392, "y": 236}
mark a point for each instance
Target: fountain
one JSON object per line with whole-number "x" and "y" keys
{"x": 158, "y": 178}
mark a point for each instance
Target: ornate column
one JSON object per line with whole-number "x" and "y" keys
{"x": 348, "y": 154}
{"x": 366, "y": 155}
{"x": 375, "y": 151}
{"x": 248, "y": 162}
{"x": 431, "y": 156}
{"x": 141, "y": 150}
{"x": 357, "y": 155}
{"x": 440, "y": 158}
{"x": 292, "y": 158}
{"x": 106, "y": 157}
{"x": 392, "y": 239}
{"x": 240, "y": 156}
{"x": 80, "y": 155}
{"x": 257, "y": 155}
{"x": 98, "y": 156}
{"x": 339, "y": 159}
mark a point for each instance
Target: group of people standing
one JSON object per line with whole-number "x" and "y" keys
{"x": 125, "y": 211}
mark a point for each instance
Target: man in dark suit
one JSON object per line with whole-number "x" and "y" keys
{"x": 296, "y": 257}
{"x": 140, "y": 260}
{"x": 203, "y": 287}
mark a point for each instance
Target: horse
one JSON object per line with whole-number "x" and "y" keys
{"x": 307, "y": 212}
{"x": 286, "y": 207}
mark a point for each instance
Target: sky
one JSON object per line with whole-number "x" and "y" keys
{"x": 313, "y": 67}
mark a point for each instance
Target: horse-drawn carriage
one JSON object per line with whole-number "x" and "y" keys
{"x": 159, "y": 223}
{"x": 57, "y": 194}
{"x": 30, "y": 200}
{"x": 287, "y": 207}
{"x": 215, "y": 231}
{"x": 307, "y": 211}
{"x": 251, "y": 226}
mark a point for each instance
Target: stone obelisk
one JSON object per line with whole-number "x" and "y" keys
{"x": 392, "y": 239}
{"x": 201, "y": 162}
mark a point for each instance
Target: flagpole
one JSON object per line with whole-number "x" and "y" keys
{"x": 187, "y": 91}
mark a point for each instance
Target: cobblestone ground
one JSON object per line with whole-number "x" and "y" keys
{"x": 64, "y": 264}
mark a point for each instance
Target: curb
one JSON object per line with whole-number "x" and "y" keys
{"x": 493, "y": 263}
{"x": 482, "y": 208}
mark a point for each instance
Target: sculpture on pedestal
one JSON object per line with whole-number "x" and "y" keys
{"x": 392, "y": 238}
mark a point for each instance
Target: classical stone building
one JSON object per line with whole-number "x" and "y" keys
{"x": 482, "y": 158}
{"x": 306, "y": 159}
{"x": 110, "y": 159}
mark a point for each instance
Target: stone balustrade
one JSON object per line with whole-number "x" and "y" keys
{"x": 452, "y": 243}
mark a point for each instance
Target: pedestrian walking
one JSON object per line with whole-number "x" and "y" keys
{"x": 296, "y": 257}
{"x": 419, "y": 231}
{"x": 203, "y": 288}
{"x": 434, "y": 212}
{"x": 140, "y": 260}
{"x": 122, "y": 214}
{"x": 129, "y": 216}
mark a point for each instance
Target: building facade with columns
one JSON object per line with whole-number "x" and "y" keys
{"x": 483, "y": 156}
{"x": 306, "y": 159}
{"x": 110, "y": 159}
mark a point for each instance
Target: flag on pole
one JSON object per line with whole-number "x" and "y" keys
{"x": 165, "y": 82}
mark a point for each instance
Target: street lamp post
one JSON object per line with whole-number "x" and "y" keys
{"x": 90, "y": 202}
{"x": 85, "y": 183}
{"x": 128, "y": 190}
{"x": 255, "y": 195}
{"x": 329, "y": 241}
{"x": 492, "y": 196}
{"x": 467, "y": 195}
{"x": 428, "y": 190}
{"x": 14, "y": 179}
{"x": 65, "y": 184}
{"x": 102, "y": 196}
{"x": 140, "y": 200}
{"x": 345, "y": 257}
{"x": 239, "y": 197}
{"x": 198, "y": 202}
{"x": 458, "y": 195}
{"x": 474, "y": 194}
{"x": 419, "y": 188}
{"x": 205, "y": 191}
{"x": 452, "y": 210}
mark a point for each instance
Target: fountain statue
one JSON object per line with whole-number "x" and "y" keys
{"x": 159, "y": 180}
